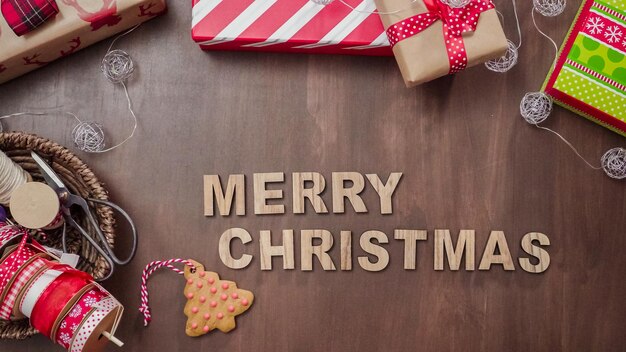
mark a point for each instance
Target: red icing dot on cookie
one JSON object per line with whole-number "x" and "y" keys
{"x": 211, "y": 280}
{"x": 202, "y": 273}
{"x": 244, "y": 302}
{"x": 213, "y": 290}
{"x": 202, "y": 299}
{"x": 190, "y": 295}
{"x": 207, "y": 316}
{"x": 206, "y": 328}
{"x": 223, "y": 297}
{"x": 194, "y": 325}
{"x": 225, "y": 286}
{"x": 199, "y": 284}
{"x": 220, "y": 315}
{"x": 195, "y": 310}
{"x": 231, "y": 309}
{"x": 213, "y": 304}
{"x": 234, "y": 295}
{"x": 190, "y": 282}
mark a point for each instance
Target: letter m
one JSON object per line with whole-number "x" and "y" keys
{"x": 234, "y": 189}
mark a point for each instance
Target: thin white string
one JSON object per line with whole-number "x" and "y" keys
{"x": 507, "y": 61}
{"x": 536, "y": 113}
{"x": 556, "y": 47}
{"x": 17, "y": 114}
{"x": 120, "y": 36}
{"x": 132, "y": 112}
{"x": 571, "y": 146}
{"x": 378, "y": 12}
{"x": 519, "y": 29}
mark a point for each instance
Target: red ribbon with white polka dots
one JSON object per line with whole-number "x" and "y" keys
{"x": 456, "y": 21}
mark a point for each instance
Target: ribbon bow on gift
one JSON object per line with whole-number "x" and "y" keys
{"x": 456, "y": 21}
{"x": 25, "y": 15}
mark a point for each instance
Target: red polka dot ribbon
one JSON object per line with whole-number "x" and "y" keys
{"x": 10, "y": 266}
{"x": 76, "y": 316}
{"x": 456, "y": 21}
{"x": 99, "y": 312}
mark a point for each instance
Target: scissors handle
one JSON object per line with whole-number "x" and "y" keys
{"x": 133, "y": 229}
{"x": 84, "y": 233}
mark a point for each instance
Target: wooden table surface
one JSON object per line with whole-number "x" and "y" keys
{"x": 469, "y": 162}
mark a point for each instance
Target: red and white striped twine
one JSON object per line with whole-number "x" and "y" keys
{"x": 145, "y": 275}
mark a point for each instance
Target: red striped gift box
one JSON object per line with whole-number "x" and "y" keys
{"x": 289, "y": 26}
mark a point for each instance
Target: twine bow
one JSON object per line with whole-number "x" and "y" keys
{"x": 456, "y": 21}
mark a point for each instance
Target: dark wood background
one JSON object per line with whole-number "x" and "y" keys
{"x": 468, "y": 158}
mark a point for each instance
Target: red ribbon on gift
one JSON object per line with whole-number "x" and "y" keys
{"x": 456, "y": 21}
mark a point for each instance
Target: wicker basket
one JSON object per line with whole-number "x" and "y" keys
{"x": 80, "y": 180}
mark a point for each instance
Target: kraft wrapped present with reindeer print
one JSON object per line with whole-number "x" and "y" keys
{"x": 78, "y": 24}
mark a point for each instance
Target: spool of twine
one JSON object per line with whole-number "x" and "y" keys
{"x": 11, "y": 177}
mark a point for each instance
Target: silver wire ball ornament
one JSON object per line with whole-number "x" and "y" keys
{"x": 456, "y": 3}
{"x": 322, "y": 2}
{"x": 505, "y": 62}
{"x": 535, "y": 107}
{"x": 117, "y": 66}
{"x": 88, "y": 137}
{"x": 549, "y": 8}
{"x": 614, "y": 163}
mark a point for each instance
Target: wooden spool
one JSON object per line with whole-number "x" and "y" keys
{"x": 80, "y": 180}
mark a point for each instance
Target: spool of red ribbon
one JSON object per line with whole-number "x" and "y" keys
{"x": 63, "y": 303}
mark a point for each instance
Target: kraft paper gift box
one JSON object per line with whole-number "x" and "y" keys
{"x": 78, "y": 24}
{"x": 422, "y": 49}
{"x": 589, "y": 76}
{"x": 289, "y": 26}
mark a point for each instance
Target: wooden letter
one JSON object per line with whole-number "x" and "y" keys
{"x": 496, "y": 241}
{"x": 534, "y": 250}
{"x": 261, "y": 194}
{"x": 268, "y": 251}
{"x": 410, "y": 238}
{"x": 385, "y": 191}
{"x": 465, "y": 243}
{"x": 213, "y": 190}
{"x": 374, "y": 249}
{"x": 308, "y": 250}
{"x": 224, "y": 248}
{"x": 313, "y": 193}
{"x": 352, "y": 193}
{"x": 346, "y": 250}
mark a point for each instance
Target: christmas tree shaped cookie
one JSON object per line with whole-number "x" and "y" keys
{"x": 211, "y": 302}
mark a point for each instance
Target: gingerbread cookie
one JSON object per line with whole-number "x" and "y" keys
{"x": 212, "y": 302}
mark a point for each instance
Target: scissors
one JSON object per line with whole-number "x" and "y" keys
{"x": 69, "y": 200}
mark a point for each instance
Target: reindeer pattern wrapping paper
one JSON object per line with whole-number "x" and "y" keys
{"x": 79, "y": 24}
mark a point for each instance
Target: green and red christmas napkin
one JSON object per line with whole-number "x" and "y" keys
{"x": 589, "y": 77}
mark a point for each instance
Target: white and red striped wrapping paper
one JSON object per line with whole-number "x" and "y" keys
{"x": 289, "y": 26}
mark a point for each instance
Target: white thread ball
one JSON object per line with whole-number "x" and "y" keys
{"x": 322, "y": 2}
{"x": 549, "y": 8}
{"x": 535, "y": 107}
{"x": 456, "y": 3}
{"x": 88, "y": 137}
{"x": 117, "y": 66}
{"x": 614, "y": 163}
{"x": 505, "y": 62}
